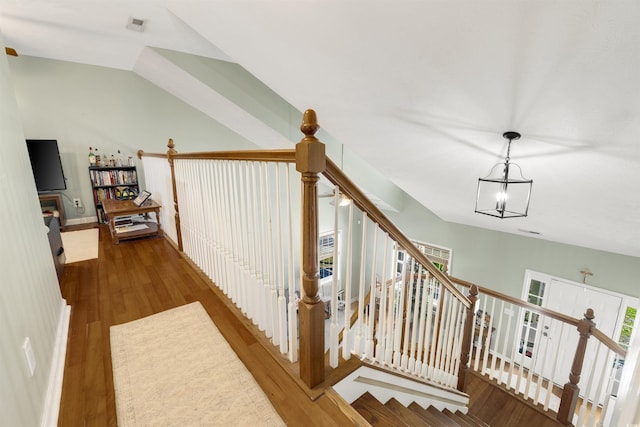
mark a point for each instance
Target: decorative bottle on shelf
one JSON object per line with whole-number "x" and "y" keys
{"x": 119, "y": 161}
{"x": 112, "y": 161}
{"x": 92, "y": 157}
{"x": 98, "y": 159}
{"x": 130, "y": 161}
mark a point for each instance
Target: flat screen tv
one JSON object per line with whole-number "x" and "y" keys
{"x": 46, "y": 164}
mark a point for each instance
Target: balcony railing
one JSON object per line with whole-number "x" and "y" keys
{"x": 250, "y": 221}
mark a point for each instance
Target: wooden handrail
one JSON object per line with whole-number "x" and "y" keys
{"x": 515, "y": 301}
{"x": 606, "y": 340}
{"x": 285, "y": 156}
{"x": 142, "y": 153}
{"x": 335, "y": 175}
{"x": 597, "y": 333}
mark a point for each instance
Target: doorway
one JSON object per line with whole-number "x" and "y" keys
{"x": 548, "y": 346}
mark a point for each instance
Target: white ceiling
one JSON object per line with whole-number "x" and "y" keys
{"x": 423, "y": 90}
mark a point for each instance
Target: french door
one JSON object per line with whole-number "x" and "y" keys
{"x": 548, "y": 346}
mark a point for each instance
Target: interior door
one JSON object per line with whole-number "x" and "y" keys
{"x": 574, "y": 299}
{"x": 531, "y": 340}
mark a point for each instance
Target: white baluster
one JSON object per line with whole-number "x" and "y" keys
{"x": 435, "y": 288}
{"x": 427, "y": 365}
{"x": 368, "y": 349}
{"x": 333, "y": 330}
{"x": 404, "y": 362}
{"x": 486, "y": 346}
{"x": 606, "y": 370}
{"x": 397, "y": 339}
{"x": 382, "y": 324}
{"x": 292, "y": 320}
{"x": 282, "y": 301}
{"x": 347, "y": 334}
{"x": 496, "y": 344}
{"x": 358, "y": 344}
{"x": 417, "y": 353}
{"x": 391, "y": 315}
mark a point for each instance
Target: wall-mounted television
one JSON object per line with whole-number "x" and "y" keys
{"x": 46, "y": 164}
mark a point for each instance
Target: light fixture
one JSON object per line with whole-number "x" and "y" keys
{"x": 343, "y": 200}
{"x": 502, "y": 195}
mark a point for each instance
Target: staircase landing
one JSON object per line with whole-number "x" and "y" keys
{"x": 489, "y": 405}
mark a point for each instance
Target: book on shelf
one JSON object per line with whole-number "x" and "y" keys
{"x": 132, "y": 227}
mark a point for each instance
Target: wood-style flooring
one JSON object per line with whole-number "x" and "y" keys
{"x": 138, "y": 278}
{"x": 141, "y": 277}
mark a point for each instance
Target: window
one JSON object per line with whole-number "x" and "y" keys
{"x": 440, "y": 257}
{"x": 535, "y": 295}
{"x": 325, "y": 255}
{"x": 624, "y": 341}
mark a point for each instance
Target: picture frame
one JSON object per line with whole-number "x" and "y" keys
{"x": 142, "y": 197}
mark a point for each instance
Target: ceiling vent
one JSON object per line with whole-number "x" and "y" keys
{"x": 135, "y": 24}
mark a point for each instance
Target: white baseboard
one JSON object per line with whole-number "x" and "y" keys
{"x": 79, "y": 221}
{"x": 54, "y": 390}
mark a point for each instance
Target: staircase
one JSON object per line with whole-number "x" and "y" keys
{"x": 413, "y": 318}
{"x": 383, "y": 398}
{"x": 394, "y": 413}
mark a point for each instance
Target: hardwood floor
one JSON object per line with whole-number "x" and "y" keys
{"x": 497, "y": 407}
{"x": 141, "y": 277}
{"x": 138, "y": 278}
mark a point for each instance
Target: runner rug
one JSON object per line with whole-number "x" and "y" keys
{"x": 175, "y": 368}
{"x": 80, "y": 245}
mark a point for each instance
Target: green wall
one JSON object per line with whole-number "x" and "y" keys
{"x": 84, "y": 105}
{"x": 499, "y": 260}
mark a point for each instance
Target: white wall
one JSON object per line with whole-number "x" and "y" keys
{"x": 30, "y": 299}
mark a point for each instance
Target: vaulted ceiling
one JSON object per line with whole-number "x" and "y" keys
{"x": 423, "y": 90}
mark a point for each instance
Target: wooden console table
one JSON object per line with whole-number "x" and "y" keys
{"x": 114, "y": 208}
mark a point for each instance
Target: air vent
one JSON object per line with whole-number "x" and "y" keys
{"x": 135, "y": 24}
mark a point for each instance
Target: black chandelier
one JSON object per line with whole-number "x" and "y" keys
{"x": 502, "y": 195}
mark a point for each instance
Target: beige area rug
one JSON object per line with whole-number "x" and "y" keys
{"x": 175, "y": 368}
{"x": 80, "y": 245}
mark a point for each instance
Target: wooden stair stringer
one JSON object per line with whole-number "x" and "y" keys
{"x": 385, "y": 385}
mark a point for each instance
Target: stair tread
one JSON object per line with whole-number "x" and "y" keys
{"x": 478, "y": 420}
{"x": 375, "y": 412}
{"x": 405, "y": 414}
{"x": 457, "y": 418}
{"x": 425, "y": 415}
{"x": 444, "y": 420}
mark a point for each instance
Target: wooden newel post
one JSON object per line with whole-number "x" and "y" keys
{"x": 310, "y": 161}
{"x": 170, "y": 153}
{"x": 571, "y": 390}
{"x": 463, "y": 370}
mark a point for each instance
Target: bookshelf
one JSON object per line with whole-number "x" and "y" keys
{"x": 112, "y": 183}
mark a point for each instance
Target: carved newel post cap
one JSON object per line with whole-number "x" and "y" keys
{"x": 589, "y": 314}
{"x": 309, "y": 125}
{"x": 310, "y": 153}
